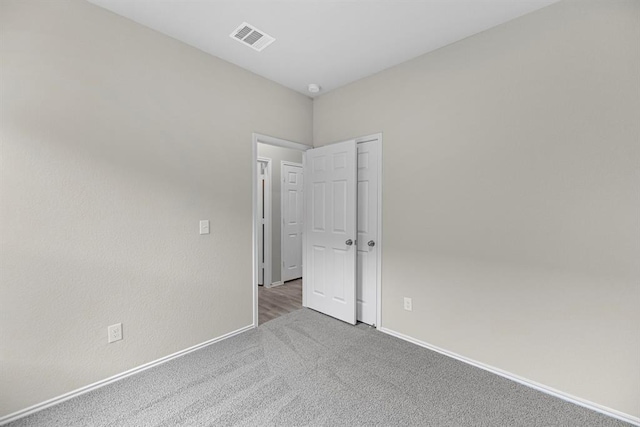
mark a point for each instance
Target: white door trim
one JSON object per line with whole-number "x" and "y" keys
{"x": 265, "y": 139}
{"x": 268, "y": 257}
{"x": 284, "y": 163}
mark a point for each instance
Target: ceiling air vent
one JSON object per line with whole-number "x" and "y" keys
{"x": 251, "y": 36}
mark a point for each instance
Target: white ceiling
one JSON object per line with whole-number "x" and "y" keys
{"x": 328, "y": 42}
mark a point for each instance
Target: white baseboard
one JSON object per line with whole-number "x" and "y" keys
{"x": 56, "y": 400}
{"x": 540, "y": 387}
{"x": 537, "y": 386}
{"x": 274, "y": 284}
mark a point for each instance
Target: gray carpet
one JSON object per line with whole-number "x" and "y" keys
{"x": 307, "y": 369}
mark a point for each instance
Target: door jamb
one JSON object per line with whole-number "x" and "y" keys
{"x": 270, "y": 140}
{"x": 268, "y": 227}
{"x": 284, "y": 163}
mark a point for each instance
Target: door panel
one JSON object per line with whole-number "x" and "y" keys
{"x": 318, "y": 206}
{"x": 318, "y": 276}
{"x": 367, "y": 231}
{"x": 292, "y": 221}
{"x": 330, "y": 175}
{"x": 339, "y": 207}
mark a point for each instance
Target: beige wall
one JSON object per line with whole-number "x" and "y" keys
{"x": 510, "y": 198}
{"x": 277, "y": 155}
{"x": 116, "y": 141}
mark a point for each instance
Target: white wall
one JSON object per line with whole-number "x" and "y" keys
{"x": 510, "y": 204}
{"x": 116, "y": 141}
{"x": 277, "y": 155}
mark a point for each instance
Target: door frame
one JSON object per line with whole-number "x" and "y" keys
{"x": 376, "y": 137}
{"x": 278, "y": 142}
{"x": 284, "y": 163}
{"x": 268, "y": 238}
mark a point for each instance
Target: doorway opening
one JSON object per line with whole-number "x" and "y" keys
{"x": 278, "y": 227}
{"x": 328, "y": 228}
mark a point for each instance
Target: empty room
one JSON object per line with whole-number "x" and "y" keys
{"x": 322, "y": 213}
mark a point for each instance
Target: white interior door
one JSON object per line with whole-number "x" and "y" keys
{"x": 367, "y": 268}
{"x": 292, "y": 221}
{"x": 330, "y": 226}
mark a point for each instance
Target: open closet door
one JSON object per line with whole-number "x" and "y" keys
{"x": 330, "y": 224}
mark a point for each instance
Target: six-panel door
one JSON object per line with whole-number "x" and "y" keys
{"x": 292, "y": 221}
{"x": 330, "y": 225}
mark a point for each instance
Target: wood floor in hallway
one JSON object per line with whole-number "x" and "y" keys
{"x": 279, "y": 300}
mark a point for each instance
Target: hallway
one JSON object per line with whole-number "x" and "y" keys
{"x": 279, "y": 300}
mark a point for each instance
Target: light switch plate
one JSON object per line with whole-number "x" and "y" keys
{"x": 204, "y": 226}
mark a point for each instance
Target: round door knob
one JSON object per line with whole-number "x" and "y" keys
{"x": 349, "y": 242}
{"x": 371, "y": 243}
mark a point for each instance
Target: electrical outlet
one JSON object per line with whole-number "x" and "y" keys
{"x": 407, "y": 304}
{"x": 115, "y": 332}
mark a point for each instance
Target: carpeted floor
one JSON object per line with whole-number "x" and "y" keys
{"x": 307, "y": 369}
